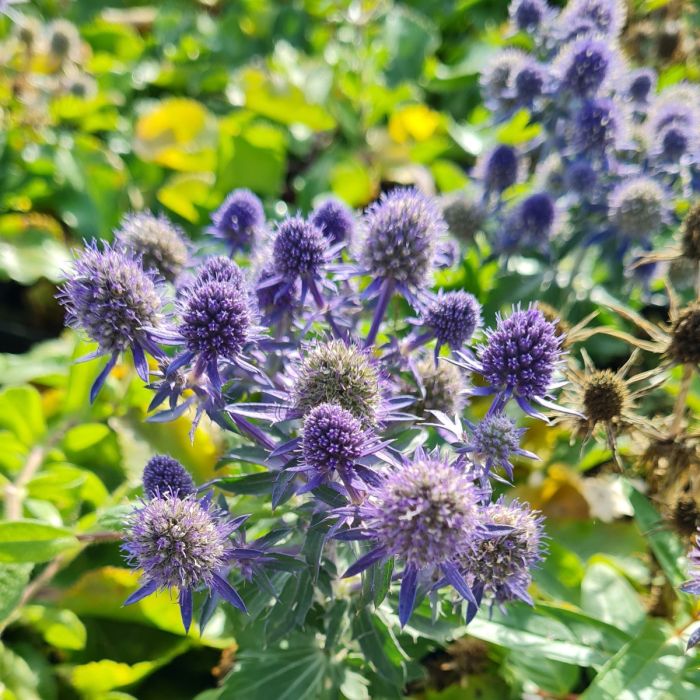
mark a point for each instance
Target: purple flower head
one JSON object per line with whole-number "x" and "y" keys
{"x": 277, "y": 300}
{"x": 537, "y": 214}
{"x": 597, "y": 125}
{"x": 693, "y": 585}
{"x": 529, "y": 80}
{"x": 333, "y": 441}
{"x": 163, "y": 474}
{"x": 401, "y": 236}
{"x": 497, "y": 77}
{"x": 528, "y": 15}
{"x": 584, "y": 65}
{"x": 501, "y": 566}
{"x": 181, "y": 543}
{"x": 452, "y": 318}
{"x": 675, "y": 141}
{"x": 220, "y": 269}
{"x": 499, "y": 168}
{"x": 238, "y": 218}
{"x": 641, "y": 84}
{"x": 300, "y": 249}
{"x": 604, "y": 17}
{"x": 110, "y": 297}
{"x": 425, "y": 513}
{"x": 518, "y": 360}
{"x": 550, "y": 176}
{"x": 494, "y": 441}
{"x": 334, "y": 219}
{"x": 156, "y": 240}
{"x": 637, "y": 208}
{"x": 581, "y": 177}
{"x": 679, "y": 104}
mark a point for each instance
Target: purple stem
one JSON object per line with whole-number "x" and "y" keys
{"x": 322, "y": 306}
{"x": 384, "y": 297}
{"x": 254, "y": 432}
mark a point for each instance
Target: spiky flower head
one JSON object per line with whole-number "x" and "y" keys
{"x": 402, "y": 231}
{"x": 63, "y": 40}
{"x": 464, "y": 216}
{"x": 425, "y": 513}
{"x": 116, "y": 303}
{"x": 693, "y": 585}
{"x": 217, "y": 321}
{"x": 690, "y": 233}
{"x": 529, "y": 81}
{"x": 332, "y": 439}
{"x": 605, "y": 395}
{"x": 163, "y": 474}
{"x": 495, "y": 438}
{"x": 299, "y": 248}
{"x": 684, "y": 347}
{"x": 536, "y": 217}
{"x": 641, "y": 83}
{"x": 502, "y": 565}
{"x": 275, "y": 300}
{"x": 677, "y": 105}
{"x": 637, "y": 207}
{"x": 550, "y": 176}
{"x": 675, "y": 141}
{"x": 160, "y": 244}
{"x": 521, "y": 354}
{"x": 496, "y": 78}
{"x": 238, "y": 218}
{"x": 584, "y": 65}
{"x": 333, "y": 372}
{"x": 334, "y": 219}
{"x": 443, "y": 387}
{"x": 581, "y": 176}
{"x": 220, "y": 269}
{"x": 453, "y": 317}
{"x": 597, "y": 125}
{"x": 528, "y": 15}
{"x": 605, "y": 17}
{"x": 499, "y": 168}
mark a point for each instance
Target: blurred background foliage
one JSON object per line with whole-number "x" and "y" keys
{"x": 169, "y": 106}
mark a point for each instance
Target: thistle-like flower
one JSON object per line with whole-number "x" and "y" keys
{"x": 220, "y": 269}
{"x": 159, "y": 243}
{"x": 442, "y": 387}
{"x": 181, "y": 543}
{"x": 530, "y": 225}
{"x": 604, "y": 17}
{"x": 585, "y": 65}
{"x": 528, "y": 15}
{"x": 496, "y": 78}
{"x": 640, "y": 86}
{"x": 335, "y": 220}
{"x": 500, "y": 566}
{"x": 498, "y": 169}
{"x": 424, "y": 513}
{"x": 238, "y": 219}
{"x": 163, "y": 474}
{"x": 684, "y": 347}
{"x": 638, "y": 208}
{"x": 464, "y": 216}
{"x": 692, "y": 586}
{"x": 690, "y": 234}
{"x": 529, "y": 81}
{"x": 518, "y": 361}
{"x": 581, "y": 177}
{"x": 597, "y": 125}
{"x": 110, "y": 297}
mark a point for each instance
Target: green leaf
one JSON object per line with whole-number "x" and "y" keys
{"x": 647, "y": 667}
{"x": 21, "y": 413}
{"x": 608, "y": 596}
{"x": 257, "y": 484}
{"x": 32, "y": 541}
{"x": 555, "y": 677}
{"x": 409, "y": 37}
{"x": 18, "y": 681}
{"x": 375, "y": 643}
{"x": 298, "y": 672}
{"x": 60, "y": 628}
{"x": 13, "y": 579}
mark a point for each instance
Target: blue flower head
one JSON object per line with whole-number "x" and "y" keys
{"x": 163, "y": 474}
{"x": 604, "y": 17}
{"x": 529, "y": 81}
{"x": 452, "y": 318}
{"x": 637, "y": 208}
{"x": 581, "y": 177}
{"x": 528, "y": 15}
{"x": 584, "y": 65}
{"x": 499, "y": 169}
{"x": 640, "y": 85}
{"x": 117, "y": 303}
{"x": 238, "y": 218}
{"x": 597, "y": 126}
{"x": 335, "y": 220}
{"x": 497, "y": 77}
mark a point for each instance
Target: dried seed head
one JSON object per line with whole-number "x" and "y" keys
{"x": 444, "y": 385}
{"x": 604, "y": 396}
{"x": 685, "y": 336}
{"x": 690, "y": 233}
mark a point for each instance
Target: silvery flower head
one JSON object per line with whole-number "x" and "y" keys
{"x": 401, "y": 235}
{"x": 586, "y": 64}
{"x": 464, "y": 215}
{"x": 640, "y": 85}
{"x": 163, "y": 474}
{"x": 497, "y": 78}
{"x": 501, "y": 566}
{"x": 442, "y": 388}
{"x": 604, "y": 17}
{"x": 637, "y": 208}
{"x": 160, "y": 244}
{"x": 424, "y": 513}
{"x": 597, "y": 126}
{"x": 529, "y": 81}
{"x": 518, "y": 361}
{"x": 238, "y": 219}
{"x": 335, "y": 220}
{"x": 184, "y": 544}
{"x": 117, "y": 303}
{"x": 529, "y": 15}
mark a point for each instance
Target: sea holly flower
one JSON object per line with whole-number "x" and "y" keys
{"x": 402, "y": 232}
{"x": 637, "y": 208}
{"x": 500, "y": 566}
{"x": 529, "y": 15}
{"x": 585, "y": 65}
{"x": 425, "y": 514}
{"x": 496, "y": 79}
{"x": 604, "y": 17}
{"x": 464, "y": 215}
{"x": 335, "y": 220}
{"x": 518, "y": 361}
{"x": 63, "y": 40}
{"x": 183, "y": 544}
{"x": 276, "y": 301}
{"x": 597, "y": 126}
{"x": 442, "y": 387}
{"x": 117, "y": 304}
{"x": 159, "y": 243}
{"x": 581, "y": 177}
{"x": 640, "y": 86}
{"x": 529, "y": 81}
{"x": 220, "y": 269}
{"x": 238, "y": 219}
{"x": 531, "y": 224}
{"x": 163, "y": 474}
{"x": 498, "y": 169}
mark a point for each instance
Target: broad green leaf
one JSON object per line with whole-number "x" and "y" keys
{"x": 37, "y": 254}
{"x": 374, "y": 642}
{"x": 60, "y": 628}
{"x": 351, "y": 181}
{"x": 18, "y": 681}
{"x": 13, "y": 579}
{"x": 32, "y": 541}
{"x": 186, "y": 194}
{"x": 21, "y": 413}
{"x": 554, "y": 677}
{"x": 646, "y": 668}
{"x": 608, "y": 596}
{"x": 409, "y": 37}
